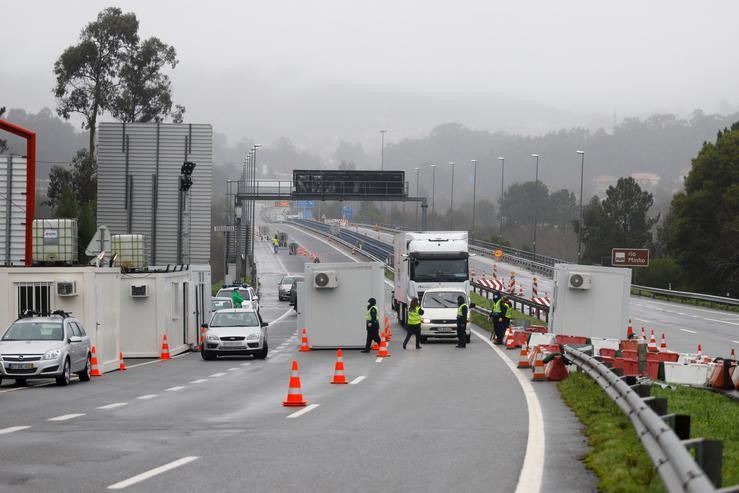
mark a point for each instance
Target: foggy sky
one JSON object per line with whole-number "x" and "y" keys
{"x": 322, "y": 71}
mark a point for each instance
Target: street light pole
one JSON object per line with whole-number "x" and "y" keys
{"x": 433, "y": 194}
{"x": 382, "y": 150}
{"x": 579, "y": 223}
{"x": 502, "y": 191}
{"x": 451, "y": 203}
{"x": 536, "y": 197}
{"x": 418, "y": 174}
{"x": 474, "y": 194}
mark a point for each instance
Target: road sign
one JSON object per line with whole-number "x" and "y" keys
{"x": 305, "y": 204}
{"x": 630, "y": 257}
{"x": 223, "y": 228}
{"x": 498, "y": 253}
{"x": 282, "y": 203}
{"x": 347, "y": 212}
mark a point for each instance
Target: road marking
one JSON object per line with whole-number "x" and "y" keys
{"x": 174, "y": 389}
{"x": 288, "y": 312}
{"x": 234, "y": 369}
{"x": 530, "y": 477}
{"x": 13, "y": 429}
{"x": 735, "y": 342}
{"x": 357, "y": 380}
{"x": 689, "y": 331}
{"x": 199, "y": 380}
{"x": 307, "y": 409}
{"x": 379, "y": 360}
{"x": 144, "y": 363}
{"x": 15, "y": 389}
{"x": 216, "y": 375}
{"x": 111, "y": 406}
{"x": 65, "y": 417}
{"x": 147, "y": 396}
{"x": 246, "y": 364}
{"x": 151, "y": 473}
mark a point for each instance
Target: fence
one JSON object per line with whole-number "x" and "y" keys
{"x": 518, "y": 303}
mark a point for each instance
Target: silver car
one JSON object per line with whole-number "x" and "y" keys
{"x": 45, "y": 347}
{"x": 283, "y": 289}
{"x": 235, "y": 332}
{"x": 251, "y": 300}
{"x": 220, "y": 304}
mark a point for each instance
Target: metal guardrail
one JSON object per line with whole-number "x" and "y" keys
{"x": 534, "y": 309}
{"x": 654, "y": 427}
{"x": 687, "y": 295}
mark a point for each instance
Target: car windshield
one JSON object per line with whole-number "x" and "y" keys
{"x": 34, "y": 331}
{"x": 439, "y": 270}
{"x": 227, "y": 293}
{"x": 442, "y": 299}
{"x": 234, "y": 319}
{"x": 287, "y": 281}
{"x": 221, "y": 304}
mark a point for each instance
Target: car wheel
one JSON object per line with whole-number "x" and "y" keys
{"x": 66, "y": 375}
{"x": 207, "y": 355}
{"x": 85, "y": 373}
{"x": 263, "y": 353}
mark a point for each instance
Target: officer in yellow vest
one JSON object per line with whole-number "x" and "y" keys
{"x": 462, "y": 310}
{"x": 276, "y": 244}
{"x": 501, "y": 317}
{"x": 373, "y": 325}
{"x": 414, "y": 323}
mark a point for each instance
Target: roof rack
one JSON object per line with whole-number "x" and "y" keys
{"x": 33, "y": 313}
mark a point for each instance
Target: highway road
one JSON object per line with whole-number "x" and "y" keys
{"x": 438, "y": 419}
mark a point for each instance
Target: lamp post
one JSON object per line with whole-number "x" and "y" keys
{"x": 536, "y": 197}
{"x": 237, "y": 212}
{"x": 382, "y": 150}
{"x": 474, "y": 194}
{"x": 451, "y": 203}
{"x": 253, "y": 202}
{"x": 433, "y": 194}
{"x": 418, "y": 175}
{"x": 579, "y": 222}
{"x": 502, "y": 191}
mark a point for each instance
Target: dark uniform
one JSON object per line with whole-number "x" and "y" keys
{"x": 373, "y": 325}
{"x": 414, "y": 326}
{"x": 501, "y": 318}
{"x": 462, "y": 310}
{"x": 494, "y": 316}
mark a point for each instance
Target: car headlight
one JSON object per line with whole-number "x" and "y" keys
{"x": 212, "y": 337}
{"x": 426, "y": 320}
{"x": 252, "y": 337}
{"x": 53, "y": 354}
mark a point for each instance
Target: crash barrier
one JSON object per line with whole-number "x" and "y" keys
{"x": 664, "y": 436}
{"x": 524, "y": 305}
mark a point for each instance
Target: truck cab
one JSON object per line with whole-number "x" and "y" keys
{"x": 439, "y": 317}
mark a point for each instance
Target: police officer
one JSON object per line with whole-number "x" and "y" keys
{"x": 494, "y": 316}
{"x": 276, "y": 244}
{"x": 414, "y": 323}
{"x": 502, "y": 314}
{"x": 373, "y": 325}
{"x": 462, "y": 310}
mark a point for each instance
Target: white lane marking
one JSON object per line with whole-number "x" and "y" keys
{"x": 689, "y": 331}
{"x": 147, "y": 396}
{"x": 334, "y": 247}
{"x": 357, "y": 380}
{"x": 112, "y": 406}
{"x": 246, "y": 364}
{"x": 15, "y": 389}
{"x": 174, "y": 389}
{"x": 151, "y": 473}
{"x": 306, "y": 409}
{"x": 288, "y": 312}
{"x": 13, "y": 429}
{"x": 735, "y": 342}
{"x": 234, "y": 369}
{"x": 530, "y": 477}
{"x": 144, "y": 363}
{"x": 65, "y": 417}
{"x": 216, "y": 375}
{"x": 379, "y": 360}
{"x": 199, "y": 380}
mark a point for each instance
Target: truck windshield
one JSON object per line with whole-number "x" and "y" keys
{"x": 439, "y": 270}
{"x": 445, "y": 299}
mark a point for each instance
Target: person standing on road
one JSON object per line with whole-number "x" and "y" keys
{"x": 414, "y": 323}
{"x": 276, "y": 244}
{"x": 504, "y": 317}
{"x": 373, "y": 325}
{"x": 494, "y": 317}
{"x": 462, "y": 310}
{"x": 237, "y": 299}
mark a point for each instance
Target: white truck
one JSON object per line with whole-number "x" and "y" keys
{"x": 426, "y": 260}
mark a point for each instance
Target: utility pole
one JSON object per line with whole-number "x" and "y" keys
{"x": 502, "y": 191}
{"x": 474, "y": 193}
{"x": 433, "y": 194}
{"x": 536, "y": 197}
{"x": 579, "y": 223}
{"x": 451, "y": 203}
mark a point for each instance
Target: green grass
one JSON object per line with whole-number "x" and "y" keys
{"x": 685, "y": 301}
{"x": 481, "y": 301}
{"x": 617, "y": 456}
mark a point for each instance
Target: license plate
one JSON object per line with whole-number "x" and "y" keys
{"x": 232, "y": 344}
{"x": 21, "y": 366}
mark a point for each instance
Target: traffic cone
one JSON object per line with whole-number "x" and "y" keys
{"x": 643, "y": 335}
{"x": 510, "y": 342}
{"x": 732, "y": 356}
{"x": 523, "y": 357}
{"x": 203, "y": 328}
{"x": 121, "y": 363}
{"x": 304, "y": 346}
{"x": 652, "y": 343}
{"x": 663, "y": 344}
{"x": 294, "y": 394}
{"x": 700, "y": 351}
{"x": 375, "y": 346}
{"x": 539, "y": 375}
{"x": 629, "y": 331}
{"x": 339, "y": 376}
{"x": 94, "y": 370}
{"x": 165, "y": 348}
{"x": 388, "y": 334}
{"x": 383, "y": 352}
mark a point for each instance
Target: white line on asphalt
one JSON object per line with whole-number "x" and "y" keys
{"x": 151, "y": 473}
{"x": 15, "y": 389}
{"x": 357, "y": 380}
{"x": 530, "y": 477}
{"x": 65, "y": 417}
{"x": 216, "y": 375}
{"x": 147, "y": 396}
{"x": 379, "y": 360}
{"x": 689, "y": 331}
{"x": 199, "y": 380}
{"x": 143, "y": 364}
{"x": 288, "y": 312}
{"x": 111, "y": 406}
{"x": 248, "y": 363}
{"x": 12, "y": 429}
{"x": 174, "y": 389}
{"x": 307, "y": 409}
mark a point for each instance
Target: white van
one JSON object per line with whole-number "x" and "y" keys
{"x": 439, "y": 317}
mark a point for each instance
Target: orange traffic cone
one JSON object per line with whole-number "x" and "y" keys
{"x": 388, "y": 334}
{"x": 539, "y": 368}
{"x": 165, "y": 348}
{"x": 294, "y": 394}
{"x": 663, "y": 344}
{"x": 510, "y": 342}
{"x": 700, "y": 351}
{"x": 339, "y": 376}
{"x": 523, "y": 358}
{"x": 732, "y": 356}
{"x": 383, "y": 352}
{"x": 629, "y": 331}
{"x": 375, "y": 346}
{"x": 304, "y": 346}
{"x": 94, "y": 370}
{"x": 203, "y": 328}
{"x": 121, "y": 363}
{"x": 643, "y": 335}
{"x": 652, "y": 343}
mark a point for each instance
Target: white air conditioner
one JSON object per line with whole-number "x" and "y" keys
{"x": 66, "y": 288}
{"x": 140, "y": 291}
{"x": 578, "y": 280}
{"x": 325, "y": 280}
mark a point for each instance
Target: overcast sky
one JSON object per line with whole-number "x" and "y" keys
{"x": 321, "y": 71}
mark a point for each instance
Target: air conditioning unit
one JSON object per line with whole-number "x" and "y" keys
{"x": 140, "y": 291}
{"x": 66, "y": 288}
{"x": 325, "y": 280}
{"x": 578, "y": 280}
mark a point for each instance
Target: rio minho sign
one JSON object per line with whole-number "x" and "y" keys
{"x": 630, "y": 257}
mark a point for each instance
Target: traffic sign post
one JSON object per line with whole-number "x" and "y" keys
{"x": 630, "y": 257}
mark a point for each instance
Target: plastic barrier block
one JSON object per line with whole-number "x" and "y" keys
{"x": 629, "y": 367}
{"x": 607, "y": 352}
{"x": 539, "y": 329}
{"x": 669, "y": 356}
{"x": 629, "y": 345}
{"x": 537, "y": 339}
{"x": 629, "y": 354}
{"x": 696, "y": 374}
{"x": 519, "y": 337}
{"x": 653, "y": 369}
{"x": 653, "y": 357}
{"x": 565, "y": 339}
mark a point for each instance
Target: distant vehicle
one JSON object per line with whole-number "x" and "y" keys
{"x": 294, "y": 292}
{"x": 235, "y": 332}
{"x": 52, "y": 346}
{"x": 220, "y": 304}
{"x": 282, "y": 239}
{"x": 285, "y": 287}
{"x": 440, "y": 313}
{"x": 251, "y": 300}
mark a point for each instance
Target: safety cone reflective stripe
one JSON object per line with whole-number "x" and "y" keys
{"x": 165, "y": 348}
{"x": 383, "y": 352}
{"x": 94, "y": 370}
{"x": 121, "y": 363}
{"x": 510, "y": 342}
{"x": 629, "y": 331}
{"x": 294, "y": 394}
{"x": 652, "y": 343}
{"x": 388, "y": 334}
{"x": 663, "y": 344}
{"x": 700, "y": 351}
{"x": 304, "y": 346}
{"x": 539, "y": 368}
{"x": 339, "y": 376}
{"x": 202, "y": 337}
{"x": 523, "y": 358}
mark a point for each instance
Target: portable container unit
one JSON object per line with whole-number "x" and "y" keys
{"x": 55, "y": 241}
{"x": 12, "y": 217}
{"x": 131, "y": 250}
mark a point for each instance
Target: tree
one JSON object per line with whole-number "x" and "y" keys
{"x": 3, "y": 143}
{"x": 67, "y": 207}
{"x": 86, "y": 227}
{"x": 81, "y": 179}
{"x": 86, "y": 73}
{"x": 60, "y": 179}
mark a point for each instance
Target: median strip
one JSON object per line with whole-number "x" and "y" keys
{"x": 151, "y": 473}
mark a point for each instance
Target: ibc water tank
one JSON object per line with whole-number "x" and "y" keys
{"x": 54, "y": 241}
{"x": 130, "y": 250}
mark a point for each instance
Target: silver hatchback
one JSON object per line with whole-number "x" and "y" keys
{"x": 235, "y": 332}
{"x": 45, "y": 347}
